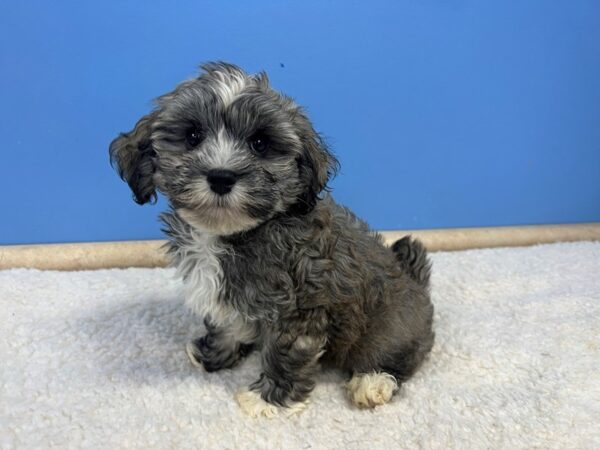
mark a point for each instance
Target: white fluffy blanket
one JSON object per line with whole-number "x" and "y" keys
{"x": 96, "y": 360}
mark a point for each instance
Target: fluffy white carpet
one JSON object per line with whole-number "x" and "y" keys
{"x": 96, "y": 359}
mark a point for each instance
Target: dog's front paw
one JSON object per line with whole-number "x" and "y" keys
{"x": 253, "y": 405}
{"x": 212, "y": 354}
{"x": 203, "y": 352}
{"x": 193, "y": 354}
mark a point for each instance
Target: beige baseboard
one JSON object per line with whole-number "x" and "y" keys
{"x": 103, "y": 255}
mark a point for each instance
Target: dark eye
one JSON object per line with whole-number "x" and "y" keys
{"x": 193, "y": 137}
{"x": 259, "y": 143}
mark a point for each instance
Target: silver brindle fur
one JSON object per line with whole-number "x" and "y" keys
{"x": 269, "y": 262}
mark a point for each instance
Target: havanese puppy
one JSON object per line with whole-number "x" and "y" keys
{"x": 269, "y": 261}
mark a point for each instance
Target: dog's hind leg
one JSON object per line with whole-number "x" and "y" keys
{"x": 367, "y": 390}
{"x": 374, "y": 384}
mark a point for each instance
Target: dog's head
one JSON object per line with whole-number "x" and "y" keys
{"x": 228, "y": 151}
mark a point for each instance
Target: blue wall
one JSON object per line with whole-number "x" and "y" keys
{"x": 444, "y": 113}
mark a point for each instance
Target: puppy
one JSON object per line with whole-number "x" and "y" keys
{"x": 267, "y": 261}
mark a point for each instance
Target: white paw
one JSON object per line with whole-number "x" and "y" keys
{"x": 189, "y": 349}
{"x": 368, "y": 390}
{"x": 253, "y": 405}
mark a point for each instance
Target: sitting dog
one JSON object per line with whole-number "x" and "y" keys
{"x": 267, "y": 260}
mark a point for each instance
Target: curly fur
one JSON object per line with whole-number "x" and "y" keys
{"x": 270, "y": 264}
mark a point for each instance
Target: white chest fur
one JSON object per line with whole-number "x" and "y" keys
{"x": 198, "y": 265}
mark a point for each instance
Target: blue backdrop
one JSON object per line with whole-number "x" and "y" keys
{"x": 444, "y": 113}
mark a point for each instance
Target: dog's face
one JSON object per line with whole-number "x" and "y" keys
{"x": 228, "y": 151}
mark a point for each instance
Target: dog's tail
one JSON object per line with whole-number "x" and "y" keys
{"x": 412, "y": 256}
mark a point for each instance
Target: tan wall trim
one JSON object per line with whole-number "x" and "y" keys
{"x": 101, "y": 255}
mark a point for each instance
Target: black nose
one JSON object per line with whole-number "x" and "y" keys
{"x": 221, "y": 181}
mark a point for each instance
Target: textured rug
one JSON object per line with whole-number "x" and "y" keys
{"x": 96, "y": 360}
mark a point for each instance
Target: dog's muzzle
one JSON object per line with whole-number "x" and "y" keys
{"x": 221, "y": 181}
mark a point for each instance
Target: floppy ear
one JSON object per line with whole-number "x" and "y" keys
{"x": 317, "y": 165}
{"x": 131, "y": 154}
